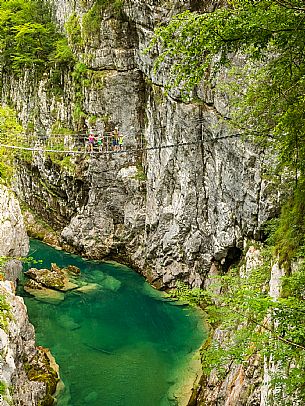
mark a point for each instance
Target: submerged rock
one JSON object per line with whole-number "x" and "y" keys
{"x": 44, "y": 294}
{"x": 68, "y": 323}
{"x": 111, "y": 283}
{"x": 91, "y": 287}
{"x": 91, "y": 397}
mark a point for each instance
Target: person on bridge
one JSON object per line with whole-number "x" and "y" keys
{"x": 120, "y": 141}
{"x": 91, "y": 142}
{"x": 115, "y": 139}
{"x": 100, "y": 142}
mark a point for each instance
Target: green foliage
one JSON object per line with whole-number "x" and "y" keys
{"x": 294, "y": 285}
{"x": 10, "y": 130}
{"x": 65, "y": 162}
{"x": 2, "y": 388}
{"x": 92, "y": 120}
{"x": 80, "y": 80}
{"x": 252, "y": 325}
{"x": 267, "y": 89}
{"x": 74, "y": 31}
{"x": 286, "y": 234}
{"x": 29, "y": 38}
{"x": 8, "y": 123}
{"x": 62, "y": 53}
{"x": 80, "y": 69}
{"x": 5, "y": 313}
{"x": 56, "y": 82}
{"x": 194, "y": 297}
{"x": 140, "y": 175}
{"x": 289, "y": 235}
{"x": 92, "y": 22}
{"x": 241, "y": 307}
{"x": 78, "y": 114}
{"x": 117, "y": 7}
{"x": 58, "y": 128}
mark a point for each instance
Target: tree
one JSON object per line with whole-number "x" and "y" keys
{"x": 10, "y": 129}
{"x": 269, "y": 87}
{"x": 255, "y": 326}
{"x": 28, "y": 37}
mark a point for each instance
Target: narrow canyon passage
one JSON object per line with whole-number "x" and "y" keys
{"x": 117, "y": 340}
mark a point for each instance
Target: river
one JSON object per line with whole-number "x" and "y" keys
{"x": 117, "y": 340}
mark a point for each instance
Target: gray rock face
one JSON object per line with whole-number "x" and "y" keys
{"x": 13, "y": 238}
{"x": 17, "y": 346}
{"x": 18, "y": 353}
{"x": 14, "y": 241}
{"x": 169, "y": 212}
{"x": 44, "y": 187}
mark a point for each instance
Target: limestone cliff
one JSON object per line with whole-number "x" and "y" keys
{"x": 174, "y": 213}
{"x": 25, "y": 374}
{"x": 22, "y": 364}
{"x": 168, "y": 212}
{"x": 14, "y": 242}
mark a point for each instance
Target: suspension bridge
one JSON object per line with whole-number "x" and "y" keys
{"x": 77, "y": 144}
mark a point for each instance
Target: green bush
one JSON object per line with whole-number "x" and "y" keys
{"x": 5, "y": 313}
{"x": 74, "y": 31}
{"x": 3, "y": 388}
{"x": 289, "y": 230}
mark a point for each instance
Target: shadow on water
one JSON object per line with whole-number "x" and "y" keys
{"x": 116, "y": 340}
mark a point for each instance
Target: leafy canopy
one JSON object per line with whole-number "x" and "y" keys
{"x": 267, "y": 86}
{"x": 28, "y": 37}
{"x": 10, "y": 130}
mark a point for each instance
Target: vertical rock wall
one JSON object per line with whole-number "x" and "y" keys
{"x": 21, "y": 363}
{"x": 168, "y": 212}
{"x": 14, "y": 242}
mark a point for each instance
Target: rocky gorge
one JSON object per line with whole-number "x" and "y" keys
{"x": 170, "y": 213}
{"x": 182, "y": 213}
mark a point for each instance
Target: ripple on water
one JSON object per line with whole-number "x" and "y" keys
{"x": 116, "y": 339}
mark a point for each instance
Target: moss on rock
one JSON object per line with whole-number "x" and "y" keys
{"x": 41, "y": 369}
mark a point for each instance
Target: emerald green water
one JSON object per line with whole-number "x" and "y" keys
{"x": 120, "y": 344}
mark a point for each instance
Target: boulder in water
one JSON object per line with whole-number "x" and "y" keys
{"x": 31, "y": 284}
{"x": 111, "y": 283}
{"x": 91, "y": 397}
{"x": 72, "y": 269}
{"x": 54, "y": 278}
{"x": 67, "y": 322}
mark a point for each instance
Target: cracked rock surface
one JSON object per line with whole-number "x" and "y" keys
{"x": 169, "y": 212}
